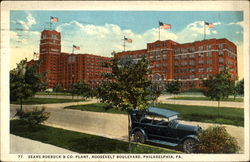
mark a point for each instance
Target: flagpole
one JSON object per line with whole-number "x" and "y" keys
{"x": 124, "y": 43}
{"x": 73, "y": 50}
{"x": 50, "y": 23}
{"x": 204, "y": 30}
{"x": 159, "y": 32}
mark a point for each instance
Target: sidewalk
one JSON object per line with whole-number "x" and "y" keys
{"x": 165, "y": 99}
{"x": 20, "y": 145}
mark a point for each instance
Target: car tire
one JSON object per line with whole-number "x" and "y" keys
{"x": 190, "y": 145}
{"x": 139, "y": 137}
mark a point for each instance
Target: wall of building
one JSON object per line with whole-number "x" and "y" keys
{"x": 190, "y": 63}
{"x": 66, "y": 69}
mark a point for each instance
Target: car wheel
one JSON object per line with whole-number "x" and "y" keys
{"x": 190, "y": 145}
{"x": 139, "y": 137}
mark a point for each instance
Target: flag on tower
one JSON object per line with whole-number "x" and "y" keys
{"x": 53, "y": 19}
{"x": 210, "y": 25}
{"x": 76, "y": 47}
{"x": 128, "y": 40}
{"x": 164, "y": 26}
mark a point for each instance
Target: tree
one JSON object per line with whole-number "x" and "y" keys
{"x": 127, "y": 86}
{"x": 240, "y": 87}
{"x": 58, "y": 88}
{"x": 219, "y": 87}
{"x": 81, "y": 89}
{"x": 156, "y": 91}
{"x": 25, "y": 81}
{"x": 173, "y": 87}
{"x": 217, "y": 140}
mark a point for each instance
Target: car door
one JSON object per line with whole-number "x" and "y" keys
{"x": 169, "y": 134}
{"x": 153, "y": 131}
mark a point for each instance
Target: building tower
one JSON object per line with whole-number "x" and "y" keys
{"x": 50, "y": 50}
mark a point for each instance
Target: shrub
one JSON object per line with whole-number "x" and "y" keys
{"x": 217, "y": 140}
{"x": 34, "y": 117}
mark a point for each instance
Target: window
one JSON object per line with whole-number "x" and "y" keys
{"x": 176, "y": 57}
{"x": 201, "y": 62}
{"x": 221, "y": 53}
{"x": 192, "y": 76}
{"x": 201, "y": 70}
{"x": 176, "y": 70}
{"x": 201, "y": 54}
{"x": 191, "y": 56}
{"x": 164, "y": 51}
{"x": 184, "y": 70}
{"x": 53, "y": 36}
{"x": 221, "y": 68}
{"x": 176, "y": 63}
{"x": 221, "y": 60}
{"x": 192, "y": 70}
{"x": 164, "y": 57}
{"x": 209, "y": 61}
{"x": 192, "y": 63}
{"x": 44, "y": 36}
{"x": 191, "y": 49}
{"x": 200, "y": 48}
{"x": 183, "y": 56}
{"x": 209, "y": 54}
{"x": 220, "y": 46}
{"x": 209, "y": 69}
{"x": 184, "y": 63}
{"x": 208, "y": 47}
{"x": 157, "y": 53}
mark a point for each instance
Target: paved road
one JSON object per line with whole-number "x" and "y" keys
{"x": 20, "y": 145}
{"x": 104, "y": 124}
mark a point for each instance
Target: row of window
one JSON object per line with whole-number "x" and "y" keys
{"x": 193, "y": 63}
{"x": 200, "y": 76}
{"x": 193, "y": 70}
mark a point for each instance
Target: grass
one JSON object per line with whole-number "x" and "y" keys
{"x": 231, "y": 116}
{"x": 96, "y": 107}
{"x": 79, "y": 142}
{"x": 207, "y": 99}
{"x": 208, "y": 114}
{"x": 35, "y": 101}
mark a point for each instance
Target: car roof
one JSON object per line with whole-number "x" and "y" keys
{"x": 162, "y": 112}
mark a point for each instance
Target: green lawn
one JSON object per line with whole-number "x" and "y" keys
{"x": 232, "y": 116}
{"x": 54, "y": 93}
{"x": 207, "y": 99}
{"x": 34, "y": 101}
{"x": 79, "y": 142}
{"x": 96, "y": 107}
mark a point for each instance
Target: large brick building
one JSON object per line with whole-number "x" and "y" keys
{"x": 190, "y": 63}
{"x": 64, "y": 68}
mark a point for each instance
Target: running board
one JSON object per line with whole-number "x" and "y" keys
{"x": 163, "y": 142}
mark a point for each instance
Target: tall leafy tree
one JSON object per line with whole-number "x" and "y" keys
{"x": 127, "y": 86}
{"x": 25, "y": 81}
{"x": 82, "y": 89}
{"x": 219, "y": 87}
{"x": 173, "y": 87}
{"x": 58, "y": 88}
{"x": 240, "y": 87}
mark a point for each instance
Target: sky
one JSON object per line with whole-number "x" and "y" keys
{"x": 101, "y": 32}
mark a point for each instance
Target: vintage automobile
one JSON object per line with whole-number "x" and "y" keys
{"x": 160, "y": 126}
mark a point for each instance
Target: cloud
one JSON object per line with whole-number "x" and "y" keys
{"x": 240, "y": 23}
{"x": 102, "y": 40}
{"x": 195, "y": 31}
{"x": 30, "y": 20}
